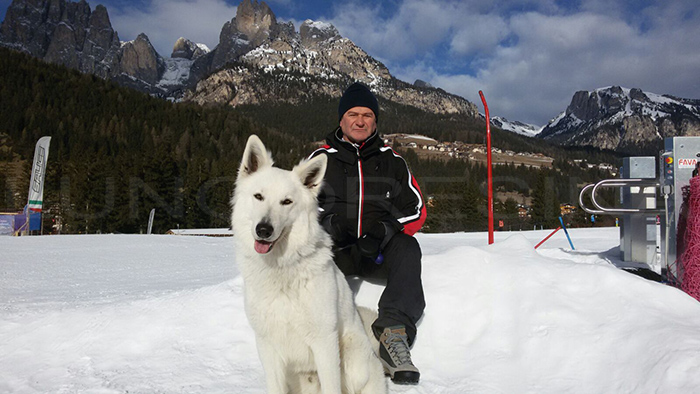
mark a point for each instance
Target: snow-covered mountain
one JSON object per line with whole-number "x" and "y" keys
{"x": 517, "y": 127}
{"x": 72, "y": 34}
{"x": 623, "y": 119}
{"x": 257, "y": 59}
{"x": 63, "y": 32}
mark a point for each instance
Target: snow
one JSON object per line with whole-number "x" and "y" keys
{"x": 517, "y": 127}
{"x": 659, "y": 99}
{"x": 203, "y": 47}
{"x": 656, "y": 107}
{"x": 557, "y": 119}
{"x": 663, "y": 100}
{"x": 164, "y": 313}
{"x": 260, "y": 51}
{"x": 66, "y": 25}
{"x": 419, "y": 137}
{"x": 320, "y": 25}
{"x": 653, "y": 113}
{"x": 177, "y": 71}
{"x": 607, "y": 91}
{"x": 571, "y": 121}
{"x": 205, "y": 231}
{"x": 239, "y": 42}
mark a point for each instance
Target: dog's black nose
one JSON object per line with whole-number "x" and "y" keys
{"x": 264, "y": 230}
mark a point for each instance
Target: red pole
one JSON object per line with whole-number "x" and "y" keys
{"x": 548, "y": 237}
{"x": 489, "y": 176}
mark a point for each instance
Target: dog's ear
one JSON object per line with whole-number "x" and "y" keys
{"x": 311, "y": 172}
{"x": 255, "y": 157}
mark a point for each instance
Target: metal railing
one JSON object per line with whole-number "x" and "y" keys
{"x": 601, "y": 210}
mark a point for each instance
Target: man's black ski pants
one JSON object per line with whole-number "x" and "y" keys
{"x": 402, "y": 302}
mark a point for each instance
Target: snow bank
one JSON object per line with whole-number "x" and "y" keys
{"x": 111, "y": 314}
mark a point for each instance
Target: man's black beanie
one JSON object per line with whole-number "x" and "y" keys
{"x": 358, "y": 95}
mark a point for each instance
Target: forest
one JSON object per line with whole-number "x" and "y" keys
{"x": 117, "y": 153}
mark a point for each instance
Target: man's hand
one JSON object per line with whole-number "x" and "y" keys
{"x": 339, "y": 230}
{"x": 373, "y": 240}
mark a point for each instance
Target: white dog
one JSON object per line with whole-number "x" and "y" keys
{"x": 309, "y": 334}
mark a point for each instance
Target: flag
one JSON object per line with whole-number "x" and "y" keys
{"x": 35, "y": 200}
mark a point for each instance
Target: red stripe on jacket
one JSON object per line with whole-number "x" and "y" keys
{"x": 414, "y": 226}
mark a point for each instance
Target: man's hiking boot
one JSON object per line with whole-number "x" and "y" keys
{"x": 396, "y": 357}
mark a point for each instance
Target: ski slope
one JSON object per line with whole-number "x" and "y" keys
{"x": 164, "y": 314}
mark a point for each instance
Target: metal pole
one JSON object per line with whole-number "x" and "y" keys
{"x": 489, "y": 175}
{"x": 548, "y": 237}
{"x": 561, "y": 220}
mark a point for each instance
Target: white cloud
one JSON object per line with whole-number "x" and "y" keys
{"x": 549, "y": 56}
{"x": 416, "y": 27}
{"x": 478, "y": 33}
{"x": 164, "y": 21}
{"x": 586, "y": 51}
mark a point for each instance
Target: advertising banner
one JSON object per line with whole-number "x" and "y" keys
{"x": 36, "y": 184}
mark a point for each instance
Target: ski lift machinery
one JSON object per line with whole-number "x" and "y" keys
{"x": 651, "y": 205}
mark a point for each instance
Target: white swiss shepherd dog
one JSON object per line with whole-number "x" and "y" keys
{"x": 309, "y": 334}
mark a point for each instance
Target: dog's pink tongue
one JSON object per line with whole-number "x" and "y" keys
{"x": 262, "y": 247}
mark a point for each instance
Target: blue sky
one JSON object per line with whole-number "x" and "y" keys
{"x": 528, "y": 56}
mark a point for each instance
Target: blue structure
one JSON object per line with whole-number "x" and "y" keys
{"x": 15, "y": 223}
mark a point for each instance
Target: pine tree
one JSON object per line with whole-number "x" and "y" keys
{"x": 545, "y": 205}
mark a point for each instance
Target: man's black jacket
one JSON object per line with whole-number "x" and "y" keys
{"x": 369, "y": 184}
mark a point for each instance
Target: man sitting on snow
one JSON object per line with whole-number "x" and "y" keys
{"x": 371, "y": 206}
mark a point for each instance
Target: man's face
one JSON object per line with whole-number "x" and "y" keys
{"x": 358, "y": 124}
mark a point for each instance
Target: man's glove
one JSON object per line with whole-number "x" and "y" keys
{"x": 339, "y": 230}
{"x": 374, "y": 240}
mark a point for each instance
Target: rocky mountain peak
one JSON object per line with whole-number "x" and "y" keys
{"x": 622, "y": 119}
{"x": 583, "y": 105}
{"x": 257, "y": 58}
{"x": 71, "y": 34}
{"x": 187, "y": 49}
{"x": 255, "y": 21}
{"x": 316, "y": 60}
{"x": 637, "y": 95}
{"x": 63, "y": 32}
{"x": 100, "y": 17}
{"x": 253, "y": 24}
{"x": 140, "y": 60}
{"x": 419, "y": 83}
{"x": 613, "y": 99}
{"x": 312, "y": 32}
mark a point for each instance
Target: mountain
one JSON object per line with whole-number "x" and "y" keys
{"x": 517, "y": 127}
{"x": 258, "y": 59}
{"x": 140, "y": 66}
{"x": 622, "y": 119}
{"x": 112, "y": 141}
{"x": 117, "y": 153}
{"x": 65, "y": 33}
{"x": 177, "y": 67}
{"x": 71, "y": 34}
{"x": 189, "y": 50}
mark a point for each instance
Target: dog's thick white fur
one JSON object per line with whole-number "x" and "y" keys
{"x": 309, "y": 334}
